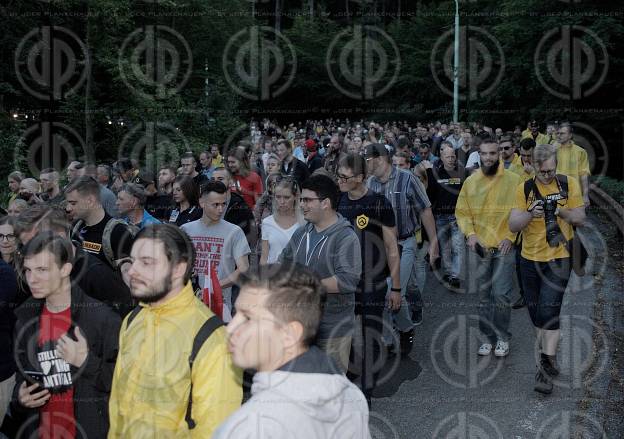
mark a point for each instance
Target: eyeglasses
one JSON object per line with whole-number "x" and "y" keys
{"x": 10, "y": 237}
{"x": 305, "y": 200}
{"x": 547, "y": 173}
{"x": 506, "y": 148}
{"x": 344, "y": 178}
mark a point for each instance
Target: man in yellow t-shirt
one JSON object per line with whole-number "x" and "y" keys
{"x": 546, "y": 210}
{"x": 572, "y": 160}
{"x": 532, "y": 132}
{"x": 482, "y": 213}
{"x": 522, "y": 164}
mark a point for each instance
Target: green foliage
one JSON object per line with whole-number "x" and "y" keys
{"x": 614, "y": 188}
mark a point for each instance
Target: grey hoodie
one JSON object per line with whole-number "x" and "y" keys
{"x": 337, "y": 253}
{"x": 307, "y": 398}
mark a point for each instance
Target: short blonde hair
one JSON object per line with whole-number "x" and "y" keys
{"x": 542, "y": 153}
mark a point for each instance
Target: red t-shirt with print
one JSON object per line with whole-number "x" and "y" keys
{"x": 56, "y": 419}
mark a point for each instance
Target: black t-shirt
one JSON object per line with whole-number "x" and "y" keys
{"x": 178, "y": 218}
{"x": 91, "y": 238}
{"x": 200, "y": 179}
{"x": 239, "y": 213}
{"x": 296, "y": 169}
{"x": 368, "y": 215}
{"x": 160, "y": 206}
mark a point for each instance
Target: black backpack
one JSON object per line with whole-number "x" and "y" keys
{"x": 205, "y": 331}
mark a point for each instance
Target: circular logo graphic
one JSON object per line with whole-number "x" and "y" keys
{"x": 571, "y": 62}
{"x": 153, "y": 144}
{"x": 481, "y": 62}
{"x": 363, "y": 62}
{"x": 465, "y": 425}
{"x": 259, "y": 63}
{"x": 592, "y": 142}
{"x": 453, "y": 353}
{"x": 48, "y": 145}
{"x": 568, "y": 424}
{"x": 583, "y": 353}
{"x": 51, "y": 62}
{"x": 155, "y": 61}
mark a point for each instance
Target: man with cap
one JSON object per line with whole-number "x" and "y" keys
{"x": 411, "y": 206}
{"x": 131, "y": 205}
{"x": 313, "y": 160}
{"x": 532, "y": 132}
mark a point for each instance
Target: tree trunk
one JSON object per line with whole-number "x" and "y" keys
{"x": 89, "y": 151}
{"x": 278, "y": 15}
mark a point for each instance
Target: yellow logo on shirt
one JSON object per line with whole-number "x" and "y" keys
{"x": 361, "y": 221}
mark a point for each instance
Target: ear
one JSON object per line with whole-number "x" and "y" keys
{"x": 66, "y": 269}
{"x": 179, "y": 270}
{"x": 293, "y": 334}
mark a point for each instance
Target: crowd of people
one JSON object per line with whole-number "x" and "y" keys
{"x": 307, "y": 240}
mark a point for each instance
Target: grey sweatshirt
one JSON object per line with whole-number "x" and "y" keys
{"x": 307, "y": 398}
{"x": 337, "y": 253}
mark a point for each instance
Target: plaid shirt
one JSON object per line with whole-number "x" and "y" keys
{"x": 407, "y": 196}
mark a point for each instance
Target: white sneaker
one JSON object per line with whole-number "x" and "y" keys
{"x": 485, "y": 349}
{"x": 502, "y": 348}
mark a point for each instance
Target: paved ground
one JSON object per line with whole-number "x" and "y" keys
{"x": 444, "y": 390}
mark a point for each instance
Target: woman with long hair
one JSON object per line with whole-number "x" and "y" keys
{"x": 247, "y": 183}
{"x": 278, "y": 228}
{"x": 14, "y": 179}
{"x": 186, "y": 197}
{"x": 273, "y": 164}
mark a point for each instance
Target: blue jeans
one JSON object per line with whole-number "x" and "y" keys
{"x": 491, "y": 277}
{"x": 544, "y": 284}
{"x": 451, "y": 241}
{"x": 402, "y": 318}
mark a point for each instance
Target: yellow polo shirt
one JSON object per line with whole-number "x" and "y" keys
{"x": 534, "y": 244}
{"x": 484, "y": 205}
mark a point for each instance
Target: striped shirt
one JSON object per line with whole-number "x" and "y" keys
{"x": 407, "y": 196}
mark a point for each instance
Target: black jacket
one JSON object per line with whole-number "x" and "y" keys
{"x": 297, "y": 169}
{"x": 8, "y": 291}
{"x": 91, "y": 382}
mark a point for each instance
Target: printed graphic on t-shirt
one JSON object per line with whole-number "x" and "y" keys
{"x": 92, "y": 247}
{"x": 208, "y": 250}
{"x": 56, "y": 371}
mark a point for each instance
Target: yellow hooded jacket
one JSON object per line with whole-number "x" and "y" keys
{"x": 152, "y": 379}
{"x": 484, "y": 205}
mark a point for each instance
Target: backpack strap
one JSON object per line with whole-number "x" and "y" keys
{"x": 206, "y": 330}
{"x": 137, "y": 309}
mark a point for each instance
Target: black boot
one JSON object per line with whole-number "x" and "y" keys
{"x": 547, "y": 364}
{"x": 407, "y": 341}
{"x": 543, "y": 383}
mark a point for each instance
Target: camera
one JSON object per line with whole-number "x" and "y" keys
{"x": 554, "y": 236}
